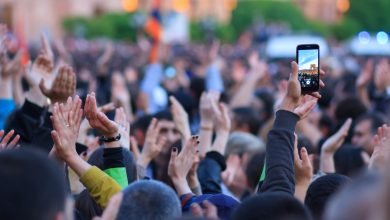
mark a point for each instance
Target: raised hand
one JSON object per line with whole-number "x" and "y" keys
{"x": 223, "y": 124}
{"x": 66, "y": 121}
{"x": 8, "y": 67}
{"x": 209, "y": 210}
{"x": 331, "y": 145}
{"x": 97, "y": 119}
{"x": 206, "y": 109}
{"x": 46, "y": 48}
{"x": 303, "y": 171}
{"x": 180, "y": 165}
{"x": 382, "y": 75}
{"x": 180, "y": 118}
{"x": 7, "y": 142}
{"x": 64, "y": 85}
{"x": 366, "y": 74}
{"x": 124, "y": 127}
{"x": 293, "y": 100}
{"x": 152, "y": 146}
{"x": 380, "y": 158}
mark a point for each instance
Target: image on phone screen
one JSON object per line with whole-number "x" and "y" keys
{"x": 308, "y": 74}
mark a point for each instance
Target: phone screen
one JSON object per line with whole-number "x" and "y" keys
{"x": 308, "y": 63}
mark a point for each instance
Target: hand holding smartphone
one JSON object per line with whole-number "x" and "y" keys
{"x": 308, "y": 59}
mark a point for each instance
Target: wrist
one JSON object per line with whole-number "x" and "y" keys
{"x": 143, "y": 161}
{"x": 288, "y": 104}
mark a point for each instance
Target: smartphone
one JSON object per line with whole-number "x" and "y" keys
{"x": 308, "y": 59}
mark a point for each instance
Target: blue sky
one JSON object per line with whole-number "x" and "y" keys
{"x": 307, "y": 57}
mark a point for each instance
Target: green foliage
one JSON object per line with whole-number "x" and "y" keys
{"x": 112, "y": 25}
{"x": 345, "y": 29}
{"x": 370, "y": 15}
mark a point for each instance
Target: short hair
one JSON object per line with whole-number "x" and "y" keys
{"x": 254, "y": 168}
{"x": 348, "y": 160}
{"x": 321, "y": 190}
{"x": 164, "y": 115}
{"x": 142, "y": 123}
{"x": 247, "y": 116}
{"x": 377, "y": 119}
{"x": 149, "y": 199}
{"x": 32, "y": 186}
{"x": 271, "y": 205}
{"x": 241, "y": 142}
{"x": 350, "y": 107}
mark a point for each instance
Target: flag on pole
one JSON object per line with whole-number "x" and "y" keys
{"x": 153, "y": 28}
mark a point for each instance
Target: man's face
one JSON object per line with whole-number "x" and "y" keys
{"x": 170, "y": 133}
{"x": 363, "y": 136}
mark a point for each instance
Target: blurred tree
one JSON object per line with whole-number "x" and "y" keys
{"x": 370, "y": 15}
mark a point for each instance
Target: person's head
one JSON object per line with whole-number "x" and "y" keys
{"x": 245, "y": 119}
{"x": 362, "y": 199}
{"x": 271, "y": 205}
{"x": 350, "y": 160}
{"x": 149, "y": 199}
{"x": 31, "y": 186}
{"x": 350, "y": 107}
{"x": 168, "y": 130}
{"x": 140, "y": 127}
{"x": 254, "y": 168}
{"x": 321, "y": 190}
{"x": 365, "y": 129}
{"x": 239, "y": 150}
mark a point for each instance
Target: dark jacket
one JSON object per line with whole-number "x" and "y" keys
{"x": 280, "y": 155}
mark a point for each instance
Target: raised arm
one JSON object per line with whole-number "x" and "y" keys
{"x": 280, "y": 145}
{"x": 331, "y": 145}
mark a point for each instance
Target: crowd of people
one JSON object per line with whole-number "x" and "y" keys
{"x": 97, "y": 130}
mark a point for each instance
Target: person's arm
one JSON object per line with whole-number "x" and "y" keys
{"x": 214, "y": 80}
{"x": 66, "y": 121}
{"x": 209, "y": 172}
{"x": 180, "y": 117}
{"x": 181, "y": 163}
{"x": 152, "y": 147}
{"x": 207, "y": 115}
{"x": 303, "y": 171}
{"x": 362, "y": 82}
{"x": 152, "y": 79}
{"x": 381, "y": 156}
{"x": 279, "y": 176}
{"x": 246, "y": 91}
{"x": 331, "y": 145}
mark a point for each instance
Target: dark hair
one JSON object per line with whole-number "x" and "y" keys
{"x": 271, "y": 206}
{"x": 142, "y": 123}
{"x": 377, "y": 119}
{"x": 268, "y": 104}
{"x": 164, "y": 115}
{"x": 254, "y": 168}
{"x": 32, "y": 186}
{"x": 348, "y": 160}
{"x": 321, "y": 190}
{"x": 149, "y": 199}
{"x": 350, "y": 107}
{"x": 247, "y": 116}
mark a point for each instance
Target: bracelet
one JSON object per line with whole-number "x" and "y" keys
{"x": 110, "y": 139}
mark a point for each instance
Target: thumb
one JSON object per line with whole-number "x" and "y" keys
{"x": 294, "y": 71}
{"x": 43, "y": 88}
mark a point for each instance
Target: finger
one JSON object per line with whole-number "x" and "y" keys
{"x": 1, "y": 133}
{"x": 14, "y": 142}
{"x": 304, "y": 156}
{"x": 196, "y": 210}
{"x": 7, "y": 138}
{"x": 211, "y": 211}
{"x": 322, "y": 73}
{"x": 322, "y": 84}
{"x": 376, "y": 139}
{"x": 152, "y": 125}
{"x": 315, "y": 95}
{"x": 173, "y": 155}
{"x": 346, "y": 126}
{"x": 107, "y": 107}
{"x": 56, "y": 138}
{"x": 134, "y": 147}
{"x": 106, "y": 122}
{"x": 294, "y": 71}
